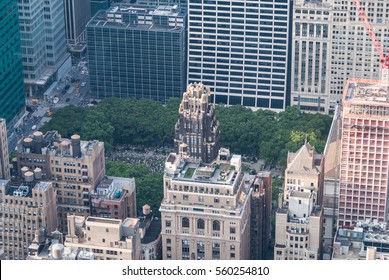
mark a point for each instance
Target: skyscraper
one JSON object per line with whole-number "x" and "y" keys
{"x": 11, "y": 68}
{"x": 364, "y": 153}
{"x": 352, "y": 52}
{"x": 4, "y": 157}
{"x": 42, "y": 29}
{"x": 311, "y": 46}
{"x": 240, "y": 50}
{"x": 197, "y": 132}
{"x": 77, "y": 15}
{"x": 137, "y": 51}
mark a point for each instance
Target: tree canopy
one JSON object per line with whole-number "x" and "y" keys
{"x": 262, "y": 133}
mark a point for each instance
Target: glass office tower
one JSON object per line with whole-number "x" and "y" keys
{"x": 137, "y": 51}
{"x": 11, "y": 68}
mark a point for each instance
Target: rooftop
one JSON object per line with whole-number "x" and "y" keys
{"x": 112, "y": 187}
{"x": 24, "y": 189}
{"x": 306, "y": 160}
{"x": 223, "y": 174}
{"x": 130, "y": 16}
{"x": 312, "y": 4}
{"x": 103, "y": 220}
{"x": 362, "y": 91}
{"x": 152, "y": 232}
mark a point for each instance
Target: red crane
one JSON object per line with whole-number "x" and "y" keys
{"x": 370, "y": 30}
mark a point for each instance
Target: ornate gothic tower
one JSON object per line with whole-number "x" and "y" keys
{"x": 197, "y": 132}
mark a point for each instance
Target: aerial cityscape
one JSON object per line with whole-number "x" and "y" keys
{"x": 194, "y": 130}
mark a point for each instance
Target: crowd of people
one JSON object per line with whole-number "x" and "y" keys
{"x": 153, "y": 158}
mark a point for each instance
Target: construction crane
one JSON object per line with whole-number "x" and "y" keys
{"x": 370, "y": 30}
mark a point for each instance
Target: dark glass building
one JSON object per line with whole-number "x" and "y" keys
{"x": 137, "y": 51}
{"x": 11, "y": 68}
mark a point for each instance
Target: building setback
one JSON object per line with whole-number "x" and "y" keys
{"x": 11, "y": 68}
{"x": 239, "y": 48}
{"x": 137, "y": 51}
{"x": 197, "y": 132}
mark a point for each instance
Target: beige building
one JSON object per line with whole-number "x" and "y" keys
{"x": 304, "y": 173}
{"x": 205, "y": 210}
{"x": 298, "y": 237}
{"x": 4, "y": 157}
{"x": 24, "y": 208}
{"x": 299, "y": 219}
{"x": 74, "y": 167}
{"x": 107, "y": 239}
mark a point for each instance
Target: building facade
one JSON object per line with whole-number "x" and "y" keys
{"x": 24, "y": 208}
{"x": 364, "y": 153}
{"x": 299, "y": 218}
{"x": 197, "y": 132}
{"x": 137, "y": 51}
{"x": 311, "y": 46}
{"x": 261, "y": 214}
{"x": 331, "y": 182}
{"x": 74, "y": 167}
{"x": 44, "y": 54}
{"x": 107, "y": 239}
{"x": 352, "y": 51}
{"x": 77, "y": 15}
{"x": 11, "y": 68}
{"x": 239, "y": 49}
{"x": 4, "y": 157}
{"x": 206, "y": 210}
{"x": 298, "y": 229}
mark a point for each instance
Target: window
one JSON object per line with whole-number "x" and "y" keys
{"x": 185, "y": 197}
{"x": 200, "y": 224}
{"x": 216, "y": 225}
{"x": 185, "y": 222}
{"x": 232, "y": 230}
{"x": 168, "y": 223}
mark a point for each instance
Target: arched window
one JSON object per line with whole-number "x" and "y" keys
{"x": 185, "y": 222}
{"x": 216, "y": 225}
{"x": 200, "y": 224}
